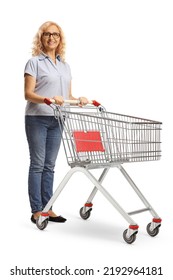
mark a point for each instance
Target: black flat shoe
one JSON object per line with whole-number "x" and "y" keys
{"x": 58, "y": 219}
{"x": 33, "y": 220}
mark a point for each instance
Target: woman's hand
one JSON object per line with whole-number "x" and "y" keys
{"x": 58, "y": 100}
{"x": 83, "y": 101}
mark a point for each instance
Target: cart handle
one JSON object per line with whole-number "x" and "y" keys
{"x": 50, "y": 101}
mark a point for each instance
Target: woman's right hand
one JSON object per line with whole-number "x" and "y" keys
{"x": 58, "y": 100}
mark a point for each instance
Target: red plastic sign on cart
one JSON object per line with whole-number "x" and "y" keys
{"x": 89, "y": 141}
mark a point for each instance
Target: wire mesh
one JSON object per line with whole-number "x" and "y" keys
{"x": 103, "y": 138}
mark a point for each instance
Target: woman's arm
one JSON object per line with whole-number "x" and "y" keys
{"x": 30, "y": 94}
{"x": 29, "y": 88}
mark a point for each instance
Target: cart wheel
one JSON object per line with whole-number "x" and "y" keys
{"x": 130, "y": 239}
{"x": 43, "y": 224}
{"x": 153, "y": 232}
{"x": 86, "y": 215}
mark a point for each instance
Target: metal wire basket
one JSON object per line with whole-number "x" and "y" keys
{"x": 98, "y": 137}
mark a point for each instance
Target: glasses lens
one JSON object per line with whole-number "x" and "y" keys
{"x": 56, "y": 35}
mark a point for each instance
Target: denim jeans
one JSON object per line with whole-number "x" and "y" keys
{"x": 44, "y": 138}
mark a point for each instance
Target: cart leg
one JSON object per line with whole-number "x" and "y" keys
{"x": 129, "y": 234}
{"x": 44, "y": 215}
{"x": 86, "y": 209}
{"x": 107, "y": 195}
{"x": 153, "y": 227}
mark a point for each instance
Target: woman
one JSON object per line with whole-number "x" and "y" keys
{"x": 46, "y": 75}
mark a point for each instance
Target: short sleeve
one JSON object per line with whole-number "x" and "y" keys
{"x": 31, "y": 67}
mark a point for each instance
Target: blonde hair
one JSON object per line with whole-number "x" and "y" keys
{"x": 37, "y": 43}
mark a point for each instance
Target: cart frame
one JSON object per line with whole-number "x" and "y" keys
{"x": 144, "y": 146}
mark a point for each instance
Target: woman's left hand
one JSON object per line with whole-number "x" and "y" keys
{"x": 58, "y": 100}
{"x": 83, "y": 101}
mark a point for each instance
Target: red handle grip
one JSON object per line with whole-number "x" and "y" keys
{"x": 49, "y": 101}
{"x": 95, "y": 103}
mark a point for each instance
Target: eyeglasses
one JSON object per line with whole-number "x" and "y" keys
{"x": 55, "y": 35}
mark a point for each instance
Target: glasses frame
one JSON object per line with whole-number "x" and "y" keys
{"x": 55, "y": 35}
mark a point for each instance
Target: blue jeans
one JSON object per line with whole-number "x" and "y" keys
{"x": 44, "y": 138}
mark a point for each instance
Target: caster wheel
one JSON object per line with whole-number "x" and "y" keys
{"x": 130, "y": 239}
{"x": 153, "y": 232}
{"x": 43, "y": 224}
{"x": 86, "y": 215}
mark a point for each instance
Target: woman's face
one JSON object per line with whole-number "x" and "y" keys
{"x": 51, "y": 38}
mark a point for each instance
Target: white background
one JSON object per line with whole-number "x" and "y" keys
{"x": 121, "y": 54}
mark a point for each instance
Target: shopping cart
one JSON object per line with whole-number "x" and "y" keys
{"x": 94, "y": 138}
